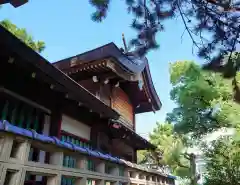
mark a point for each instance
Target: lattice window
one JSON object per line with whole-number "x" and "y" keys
{"x": 121, "y": 171}
{"x": 69, "y": 161}
{"x": 25, "y": 116}
{"x": 22, "y": 115}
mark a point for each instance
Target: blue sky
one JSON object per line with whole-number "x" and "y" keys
{"x": 67, "y": 30}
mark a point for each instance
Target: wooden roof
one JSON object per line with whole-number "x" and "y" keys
{"x": 110, "y": 58}
{"x": 51, "y": 75}
{"x": 130, "y": 136}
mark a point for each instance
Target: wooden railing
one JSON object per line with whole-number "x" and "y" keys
{"x": 16, "y": 168}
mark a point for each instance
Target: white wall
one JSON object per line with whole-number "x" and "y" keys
{"x": 75, "y": 127}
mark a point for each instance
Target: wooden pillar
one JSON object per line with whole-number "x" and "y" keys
{"x": 95, "y": 130}
{"x": 134, "y": 156}
{"x": 134, "y": 121}
{"x": 55, "y": 125}
{"x": 134, "y": 128}
{"x": 56, "y": 122}
{"x": 94, "y": 136}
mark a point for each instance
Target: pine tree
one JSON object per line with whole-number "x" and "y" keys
{"x": 23, "y": 35}
{"x": 219, "y": 17}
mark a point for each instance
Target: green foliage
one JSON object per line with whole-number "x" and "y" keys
{"x": 205, "y": 103}
{"x": 223, "y": 162}
{"x": 231, "y": 64}
{"x": 204, "y": 100}
{"x": 169, "y": 153}
{"x": 22, "y": 34}
{"x": 143, "y": 156}
{"x": 183, "y": 182}
{"x": 168, "y": 143}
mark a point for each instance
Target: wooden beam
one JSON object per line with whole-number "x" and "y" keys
{"x": 25, "y": 100}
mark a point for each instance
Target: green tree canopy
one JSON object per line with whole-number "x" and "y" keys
{"x": 204, "y": 104}
{"x": 23, "y": 35}
{"x": 223, "y": 162}
{"x": 170, "y": 151}
{"x": 204, "y": 100}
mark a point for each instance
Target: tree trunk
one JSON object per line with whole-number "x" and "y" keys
{"x": 194, "y": 178}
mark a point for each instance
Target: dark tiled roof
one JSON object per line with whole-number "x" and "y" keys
{"x": 127, "y": 62}
{"x": 106, "y": 51}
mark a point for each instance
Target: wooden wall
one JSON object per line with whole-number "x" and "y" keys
{"x": 90, "y": 86}
{"x": 102, "y": 91}
{"x": 121, "y": 103}
{"x": 114, "y": 97}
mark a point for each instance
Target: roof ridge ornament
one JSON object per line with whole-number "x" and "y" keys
{"x": 132, "y": 55}
{"x": 135, "y": 58}
{"x": 124, "y": 43}
{"x": 73, "y": 62}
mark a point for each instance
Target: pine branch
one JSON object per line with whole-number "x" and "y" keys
{"x": 186, "y": 27}
{"x": 181, "y": 165}
{"x": 225, "y": 8}
{"x": 187, "y": 156}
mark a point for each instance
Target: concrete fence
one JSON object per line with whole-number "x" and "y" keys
{"x": 17, "y": 167}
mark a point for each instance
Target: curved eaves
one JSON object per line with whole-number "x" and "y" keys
{"x": 156, "y": 101}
